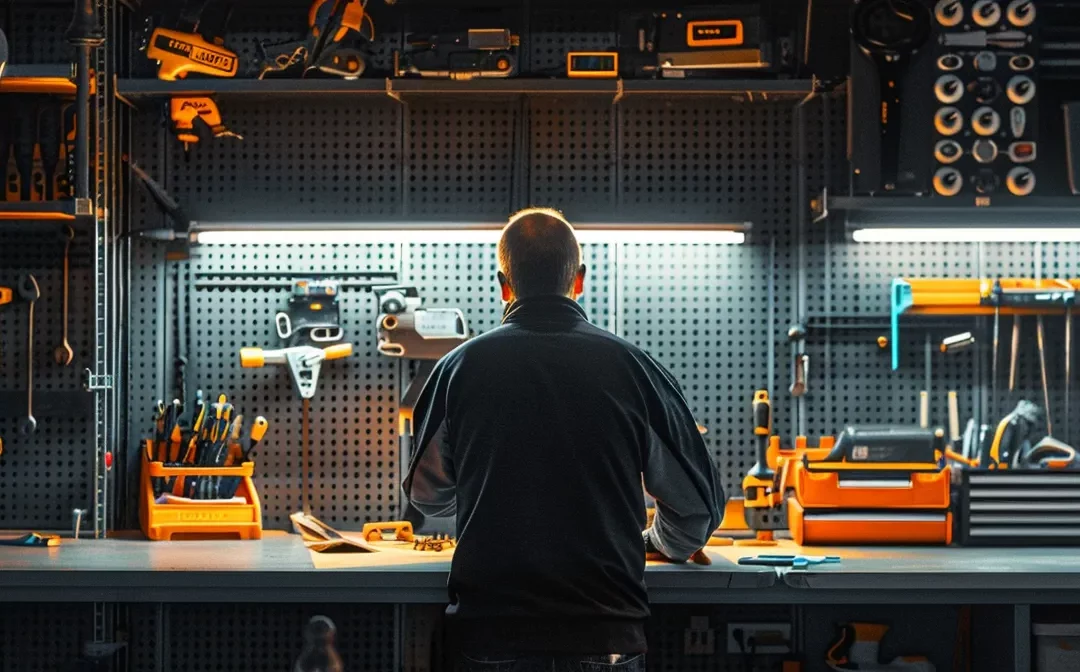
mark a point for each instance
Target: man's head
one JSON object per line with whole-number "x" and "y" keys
{"x": 539, "y": 254}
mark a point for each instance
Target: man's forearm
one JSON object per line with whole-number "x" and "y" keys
{"x": 679, "y": 537}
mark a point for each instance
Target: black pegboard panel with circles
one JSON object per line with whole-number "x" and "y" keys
{"x": 213, "y": 637}
{"x": 463, "y": 276}
{"x": 705, "y": 159}
{"x": 35, "y": 32}
{"x": 44, "y": 475}
{"x": 461, "y": 159}
{"x": 556, "y": 31}
{"x": 297, "y": 161}
{"x": 43, "y": 637}
{"x": 572, "y": 160}
{"x": 699, "y": 310}
{"x": 354, "y": 443}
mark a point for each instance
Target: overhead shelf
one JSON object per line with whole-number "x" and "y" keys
{"x": 135, "y": 89}
{"x": 48, "y": 79}
{"x": 66, "y": 209}
{"x": 921, "y": 211}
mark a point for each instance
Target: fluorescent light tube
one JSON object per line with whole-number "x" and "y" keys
{"x": 1016, "y": 234}
{"x": 283, "y": 236}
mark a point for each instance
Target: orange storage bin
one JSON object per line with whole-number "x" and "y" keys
{"x": 818, "y": 486}
{"x": 199, "y": 520}
{"x": 877, "y": 527}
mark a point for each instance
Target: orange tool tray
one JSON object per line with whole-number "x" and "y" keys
{"x": 198, "y": 520}
{"x": 827, "y": 531}
{"x": 817, "y": 486}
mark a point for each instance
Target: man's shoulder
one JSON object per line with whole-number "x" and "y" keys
{"x": 508, "y": 335}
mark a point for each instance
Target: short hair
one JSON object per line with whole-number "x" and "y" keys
{"x": 539, "y": 253}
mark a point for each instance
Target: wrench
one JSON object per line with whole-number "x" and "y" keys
{"x": 30, "y": 292}
{"x": 63, "y": 353}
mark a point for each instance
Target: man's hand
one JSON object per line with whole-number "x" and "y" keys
{"x": 653, "y": 553}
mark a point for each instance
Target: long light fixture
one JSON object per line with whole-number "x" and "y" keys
{"x": 948, "y": 234}
{"x": 330, "y": 234}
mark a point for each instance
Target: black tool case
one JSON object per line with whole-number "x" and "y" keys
{"x": 1019, "y": 507}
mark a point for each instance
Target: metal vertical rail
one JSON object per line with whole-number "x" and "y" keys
{"x": 101, "y": 382}
{"x": 801, "y": 225}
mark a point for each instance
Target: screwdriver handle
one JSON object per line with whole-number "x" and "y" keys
{"x": 258, "y": 428}
{"x": 762, "y": 429}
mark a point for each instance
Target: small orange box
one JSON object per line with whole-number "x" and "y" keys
{"x": 209, "y": 520}
{"x": 592, "y": 64}
{"x": 720, "y": 33}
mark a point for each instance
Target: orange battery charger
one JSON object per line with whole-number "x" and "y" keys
{"x": 870, "y": 503}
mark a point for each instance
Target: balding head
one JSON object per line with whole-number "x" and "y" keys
{"x": 539, "y": 254}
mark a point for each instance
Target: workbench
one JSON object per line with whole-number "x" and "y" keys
{"x": 280, "y": 569}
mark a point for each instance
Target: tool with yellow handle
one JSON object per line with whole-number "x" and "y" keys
{"x": 304, "y": 362}
{"x": 762, "y": 493}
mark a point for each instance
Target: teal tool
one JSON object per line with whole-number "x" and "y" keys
{"x": 901, "y": 299}
{"x": 794, "y": 561}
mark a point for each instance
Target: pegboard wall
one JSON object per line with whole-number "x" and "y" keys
{"x": 43, "y": 637}
{"x": 45, "y": 475}
{"x": 209, "y": 638}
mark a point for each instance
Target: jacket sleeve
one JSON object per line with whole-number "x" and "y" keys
{"x": 430, "y": 483}
{"x": 678, "y": 471}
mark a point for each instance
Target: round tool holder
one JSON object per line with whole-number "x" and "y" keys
{"x": 986, "y": 96}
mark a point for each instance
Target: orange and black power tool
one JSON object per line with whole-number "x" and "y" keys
{"x": 763, "y": 495}
{"x": 187, "y": 40}
{"x": 338, "y": 43}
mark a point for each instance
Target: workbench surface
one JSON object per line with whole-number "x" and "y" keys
{"x": 280, "y": 569}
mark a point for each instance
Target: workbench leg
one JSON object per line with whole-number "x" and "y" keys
{"x": 1022, "y": 637}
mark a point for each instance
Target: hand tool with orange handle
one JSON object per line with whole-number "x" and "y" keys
{"x": 762, "y": 494}
{"x": 304, "y": 362}
{"x": 255, "y": 435}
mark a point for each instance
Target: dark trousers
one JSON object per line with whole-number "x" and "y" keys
{"x": 504, "y": 663}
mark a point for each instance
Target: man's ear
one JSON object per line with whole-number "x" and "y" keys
{"x": 579, "y": 282}
{"x": 504, "y": 284}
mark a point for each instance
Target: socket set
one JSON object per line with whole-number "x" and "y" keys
{"x": 986, "y": 99}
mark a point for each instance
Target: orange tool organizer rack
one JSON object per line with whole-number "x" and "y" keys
{"x": 163, "y": 522}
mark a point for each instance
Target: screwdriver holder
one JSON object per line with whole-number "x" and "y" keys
{"x": 195, "y": 519}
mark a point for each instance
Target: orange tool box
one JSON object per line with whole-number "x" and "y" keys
{"x": 199, "y": 519}
{"x": 870, "y": 503}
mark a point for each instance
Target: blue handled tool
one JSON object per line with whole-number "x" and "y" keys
{"x": 901, "y": 299}
{"x": 794, "y": 561}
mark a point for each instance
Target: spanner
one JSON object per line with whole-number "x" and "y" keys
{"x": 30, "y": 292}
{"x": 63, "y": 353}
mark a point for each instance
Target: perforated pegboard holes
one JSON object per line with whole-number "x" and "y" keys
{"x": 700, "y": 310}
{"x": 354, "y": 444}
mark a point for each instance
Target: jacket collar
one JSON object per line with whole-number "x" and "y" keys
{"x": 545, "y": 308}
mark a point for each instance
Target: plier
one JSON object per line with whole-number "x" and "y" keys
{"x": 793, "y": 561}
